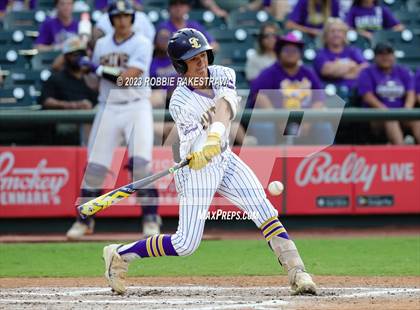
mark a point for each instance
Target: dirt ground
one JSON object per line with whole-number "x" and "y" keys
{"x": 256, "y": 292}
{"x": 344, "y": 293}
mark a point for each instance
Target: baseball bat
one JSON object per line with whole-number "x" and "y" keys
{"x": 106, "y": 200}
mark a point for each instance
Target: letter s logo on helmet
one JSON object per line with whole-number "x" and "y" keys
{"x": 187, "y": 43}
{"x": 194, "y": 42}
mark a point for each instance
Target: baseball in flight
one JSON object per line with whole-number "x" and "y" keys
{"x": 275, "y": 188}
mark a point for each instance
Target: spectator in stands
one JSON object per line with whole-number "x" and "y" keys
{"x": 417, "y": 86}
{"x": 367, "y": 16}
{"x": 161, "y": 68}
{"x": 178, "y": 9}
{"x": 54, "y": 31}
{"x": 309, "y": 16}
{"x": 386, "y": 85}
{"x": 141, "y": 25}
{"x": 17, "y": 5}
{"x": 102, "y": 5}
{"x": 276, "y": 8}
{"x": 68, "y": 89}
{"x": 290, "y": 85}
{"x": 339, "y": 63}
{"x": 265, "y": 55}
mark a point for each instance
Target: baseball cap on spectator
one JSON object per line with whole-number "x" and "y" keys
{"x": 383, "y": 48}
{"x": 289, "y": 38}
{"x": 73, "y": 44}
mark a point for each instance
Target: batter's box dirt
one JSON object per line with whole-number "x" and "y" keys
{"x": 209, "y": 297}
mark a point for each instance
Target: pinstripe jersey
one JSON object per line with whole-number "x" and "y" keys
{"x": 193, "y": 110}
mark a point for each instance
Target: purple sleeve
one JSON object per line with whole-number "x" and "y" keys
{"x": 260, "y": 82}
{"x": 389, "y": 20}
{"x": 350, "y": 17}
{"x": 299, "y": 13}
{"x": 357, "y": 55}
{"x": 417, "y": 81}
{"x": 407, "y": 78}
{"x": 266, "y": 3}
{"x": 365, "y": 82}
{"x": 45, "y": 36}
{"x": 319, "y": 61}
{"x": 335, "y": 8}
{"x": 316, "y": 82}
{"x": 3, "y": 5}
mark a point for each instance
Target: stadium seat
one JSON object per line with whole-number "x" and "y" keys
{"x": 155, "y": 14}
{"x": 156, "y": 3}
{"x": 411, "y": 20}
{"x": 413, "y": 5}
{"x": 44, "y": 60}
{"x": 24, "y": 20}
{"x": 32, "y": 79}
{"x": 357, "y": 40}
{"x": 15, "y": 97}
{"x": 251, "y": 20}
{"x": 45, "y": 5}
{"x": 408, "y": 56}
{"x": 11, "y": 59}
{"x": 397, "y": 39}
{"x": 206, "y": 18}
{"x": 15, "y": 39}
{"x": 223, "y": 35}
{"x": 395, "y": 5}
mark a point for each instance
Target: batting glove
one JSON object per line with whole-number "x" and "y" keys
{"x": 212, "y": 146}
{"x": 197, "y": 160}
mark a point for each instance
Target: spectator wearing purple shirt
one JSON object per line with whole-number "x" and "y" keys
{"x": 338, "y": 63}
{"x": 417, "y": 86}
{"x": 309, "y": 16}
{"x": 289, "y": 85}
{"x": 386, "y": 85}
{"x": 55, "y": 31}
{"x": 367, "y": 16}
{"x": 102, "y": 5}
{"x": 178, "y": 9}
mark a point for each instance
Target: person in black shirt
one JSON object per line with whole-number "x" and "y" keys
{"x": 70, "y": 88}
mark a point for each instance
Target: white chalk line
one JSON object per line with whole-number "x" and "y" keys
{"x": 220, "y": 303}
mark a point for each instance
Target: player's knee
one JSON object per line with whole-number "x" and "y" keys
{"x": 95, "y": 175}
{"x": 139, "y": 167}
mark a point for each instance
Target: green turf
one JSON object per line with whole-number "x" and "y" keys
{"x": 357, "y": 256}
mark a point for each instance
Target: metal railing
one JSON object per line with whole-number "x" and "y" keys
{"x": 86, "y": 116}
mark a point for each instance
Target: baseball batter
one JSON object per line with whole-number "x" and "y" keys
{"x": 125, "y": 113}
{"x": 203, "y": 113}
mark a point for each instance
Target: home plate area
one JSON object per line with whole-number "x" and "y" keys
{"x": 208, "y": 297}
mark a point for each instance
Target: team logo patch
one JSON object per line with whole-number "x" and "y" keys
{"x": 121, "y": 6}
{"x": 195, "y": 42}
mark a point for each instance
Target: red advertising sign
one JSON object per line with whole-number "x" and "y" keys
{"x": 37, "y": 182}
{"x": 392, "y": 179}
{"x": 320, "y": 183}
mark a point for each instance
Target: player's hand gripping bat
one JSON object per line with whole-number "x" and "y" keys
{"x": 102, "y": 202}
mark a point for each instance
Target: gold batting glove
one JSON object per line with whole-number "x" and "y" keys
{"x": 197, "y": 160}
{"x": 212, "y": 146}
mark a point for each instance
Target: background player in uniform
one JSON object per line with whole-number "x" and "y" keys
{"x": 203, "y": 114}
{"x": 124, "y": 113}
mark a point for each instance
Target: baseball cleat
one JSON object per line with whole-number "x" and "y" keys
{"x": 151, "y": 225}
{"x": 79, "y": 229}
{"x": 115, "y": 268}
{"x": 303, "y": 284}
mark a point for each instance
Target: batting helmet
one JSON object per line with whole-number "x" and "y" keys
{"x": 185, "y": 44}
{"x": 120, "y": 7}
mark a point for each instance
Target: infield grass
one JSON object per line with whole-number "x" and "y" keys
{"x": 376, "y": 256}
